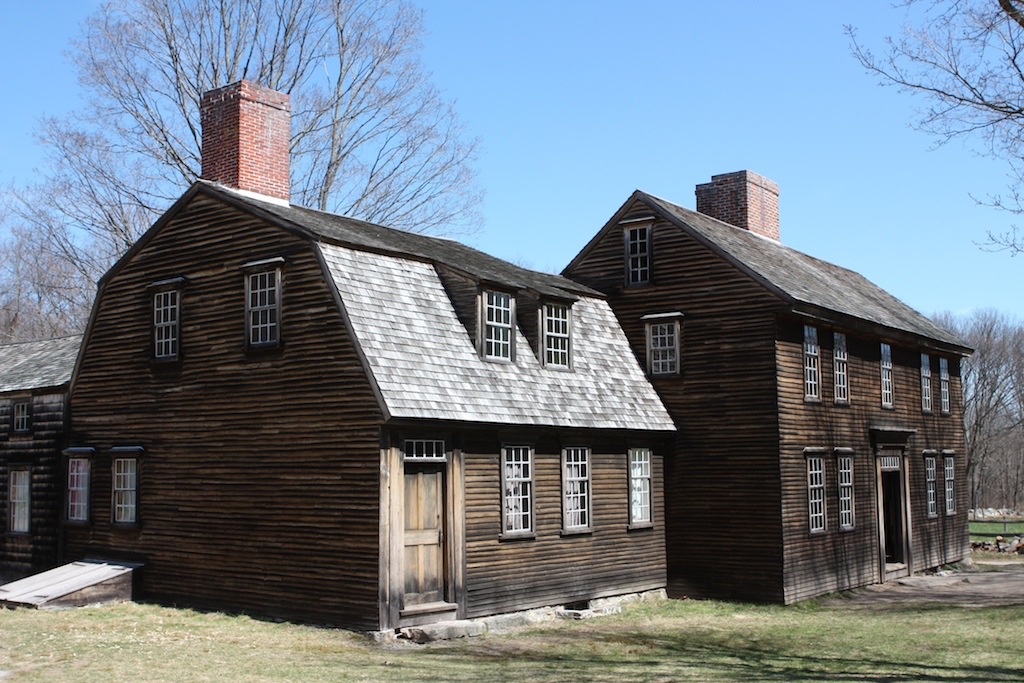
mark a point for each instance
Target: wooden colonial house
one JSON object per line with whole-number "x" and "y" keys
{"x": 820, "y": 443}
{"x": 294, "y": 413}
{"x": 34, "y": 379}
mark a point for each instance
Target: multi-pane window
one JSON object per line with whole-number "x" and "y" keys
{"x": 663, "y": 347}
{"x": 926, "y": 383}
{"x": 263, "y": 307}
{"x": 556, "y": 335}
{"x": 950, "y": 489}
{"x": 639, "y": 486}
{"x": 929, "y": 485}
{"x": 165, "y": 324}
{"x": 497, "y": 325}
{"x": 844, "y": 465}
{"x": 944, "y": 385}
{"x": 816, "y": 493}
{"x": 638, "y": 255}
{"x": 517, "y": 489}
{"x": 840, "y": 374}
{"x": 576, "y": 488}
{"x": 78, "y": 489}
{"x": 811, "y": 378}
{"x": 126, "y": 479}
{"x": 424, "y": 450}
{"x": 19, "y": 492}
{"x": 22, "y": 416}
{"x": 886, "y": 376}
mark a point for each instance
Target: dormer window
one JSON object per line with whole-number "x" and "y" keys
{"x": 637, "y": 236}
{"x": 556, "y": 336}
{"x": 498, "y": 323}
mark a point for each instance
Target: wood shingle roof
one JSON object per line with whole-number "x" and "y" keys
{"x": 25, "y": 366}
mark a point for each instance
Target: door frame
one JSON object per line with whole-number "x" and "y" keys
{"x": 885, "y": 573}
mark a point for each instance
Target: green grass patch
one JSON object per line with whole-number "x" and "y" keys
{"x": 987, "y": 531}
{"x": 670, "y": 641}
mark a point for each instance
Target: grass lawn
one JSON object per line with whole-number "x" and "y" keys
{"x": 670, "y": 641}
{"x": 986, "y": 531}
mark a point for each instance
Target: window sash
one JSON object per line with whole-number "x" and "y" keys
{"x": 78, "y": 489}
{"x": 816, "y": 493}
{"x": 556, "y": 335}
{"x": 22, "y": 416}
{"x": 165, "y": 324}
{"x": 926, "y": 383}
{"x": 845, "y": 481}
{"x": 517, "y": 489}
{"x": 424, "y": 450}
{"x": 640, "y": 486}
{"x": 663, "y": 347}
{"x": 811, "y": 379}
{"x": 576, "y": 488}
{"x": 498, "y": 325}
{"x": 929, "y": 484}
{"x": 949, "y": 473}
{"x": 840, "y": 359}
{"x": 638, "y": 255}
{"x": 944, "y": 385}
{"x": 886, "y": 367}
{"x": 19, "y": 500}
{"x": 126, "y": 490}
{"x": 263, "y": 298}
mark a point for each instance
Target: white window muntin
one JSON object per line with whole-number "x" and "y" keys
{"x": 840, "y": 373}
{"x": 22, "y": 416}
{"x": 926, "y": 383}
{"x": 556, "y": 329}
{"x": 166, "y": 316}
{"x": 890, "y": 463}
{"x": 263, "y": 307}
{"x": 125, "y": 490}
{"x": 498, "y": 325}
{"x": 811, "y": 365}
{"x": 886, "y": 369}
{"x": 424, "y": 450}
{"x": 663, "y": 346}
{"x": 944, "y": 385}
{"x": 78, "y": 489}
{"x": 816, "y": 493}
{"x": 517, "y": 489}
{"x": 19, "y": 500}
{"x": 640, "y": 486}
{"x": 844, "y": 470}
{"x": 638, "y": 254}
{"x": 929, "y": 485}
{"x": 949, "y": 473}
{"x": 576, "y": 489}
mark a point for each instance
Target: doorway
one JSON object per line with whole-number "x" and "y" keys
{"x": 425, "y": 566}
{"x": 893, "y": 532}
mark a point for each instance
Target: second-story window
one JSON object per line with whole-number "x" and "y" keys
{"x": 165, "y": 324}
{"x": 498, "y": 324}
{"x": 638, "y": 254}
{"x": 263, "y": 307}
{"x": 840, "y": 374}
{"x": 556, "y": 335}
{"x": 944, "y": 385}
{"x": 886, "y": 376}
{"x": 926, "y": 383}
{"x": 663, "y": 347}
{"x": 22, "y": 416}
{"x": 811, "y": 377}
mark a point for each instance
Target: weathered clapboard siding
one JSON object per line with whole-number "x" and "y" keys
{"x": 722, "y": 479}
{"x": 23, "y": 554}
{"x": 259, "y": 483}
{"x": 552, "y": 567}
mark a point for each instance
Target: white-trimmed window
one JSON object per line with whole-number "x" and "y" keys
{"x": 517, "y": 489}
{"x": 22, "y": 416}
{"x": 575, "y": 489}
{"x": 424, "y": 450}
{"x": 126, "y": 485}
{"x": 926, "y": 383}
{"x": 929, "y": 486}
{"x": 498, "y": 323}
{"x": 844, "y": 472}
{"x": 78, "y": 489}
{"x": 840, "y": 364}
{"x": 638, "y": 254}
{"x": 663, "y": 347}
{"x": 886, "y": 366}
{"x": 640, "y": 486}
{"x": 944, "y": 385}
{"x": 816, "y": 493}
{"x": 165, "y": 324}
{"x": 19, "y": 499}
{"x": 556, "y": 335}
{"x": 812, "y": 382}
{"x": 263, "y": 307}
{"x": 949, "y": 473}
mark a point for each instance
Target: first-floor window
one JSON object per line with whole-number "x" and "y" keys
{"x": 576, "y": 488}
{"x": 844, "y": 465}
{"x": 816, "y": 492}
{"x": 517, "y": 489}
{"x": 19, "y": 502}
{"x": 126, "y": 471}
{"x": 640, "y": 486}
{"x": 950, "y": 489}
{"x": 78, "y": 489}
{"x": 929, "y": 485}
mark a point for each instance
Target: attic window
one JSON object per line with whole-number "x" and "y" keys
{"x": 263, "y": 307}
{"x": 498, "y": 324}
{"x": 637, "y": 237}
{"x": 556, "y": 335}
{"x": 166, "y": 317}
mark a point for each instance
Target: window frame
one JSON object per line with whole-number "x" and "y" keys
{"x": 638, "y": 263}
{"x": 845, "y": 483}
{"x": 19, "y": 499}
{"x": 577, "y": 492}
{"x": 840, "y": 369}
{"x": 84, "y": 490}
{"x": 949, "y": 482}
{"x": 21, "y": 416}
{"x": 488, "y": 325}
{"x": 256, "y": 270}
{"x": 168, "y": 326}
{"x": 817, "y": 509}
{"x": 926, "y": 383}
{"x": 551, "y": 339}
{"x": 666, "y": 321}
{"x": 640, "y": 486}
{"x": 944, "y": 385}
{"x": 886, "y": 376}
{"x": 519, "y": 488}
{"x": 424, "y": 450}
{"x": 812, "y": 365}
{"x": 125, "y": 497}
{"x": 930, "y": 485}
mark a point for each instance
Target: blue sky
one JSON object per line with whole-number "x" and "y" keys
{"x": 579, "y": 103}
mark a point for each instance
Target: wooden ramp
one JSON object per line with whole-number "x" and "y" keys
{"x": 71, "y": 585}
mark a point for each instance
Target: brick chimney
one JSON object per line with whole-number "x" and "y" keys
{"x": 246, "y": 134}
{"x": 744, "y": 199}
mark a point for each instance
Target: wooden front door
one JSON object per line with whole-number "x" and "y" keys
{"x": 424, "y": 534}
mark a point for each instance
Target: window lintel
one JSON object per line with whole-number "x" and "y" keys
{"x": 630, "y": 222}
{"x": 79, "y": 452}
{"x": 815, "y": 451}
{"x": 128, "y": 450}
{"x": 673, "y": 315}
{"x": 263, "y": 263}
{"x": 169, "y": 283}
{"x": 842, "y": 451}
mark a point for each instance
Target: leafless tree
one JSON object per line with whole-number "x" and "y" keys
{"x": 965, "y": 60}
{"x": 371, "y": 136}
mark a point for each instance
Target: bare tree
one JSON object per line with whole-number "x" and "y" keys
{"x": 965, "y": 59}
{"x": 371, "y": 136}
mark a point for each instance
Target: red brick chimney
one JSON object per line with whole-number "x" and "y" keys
{"x": 744, "y": 199}
{"x": 246, "y": 133}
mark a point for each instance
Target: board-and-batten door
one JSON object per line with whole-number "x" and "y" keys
{"x": 893, "y": 522}
{"x": 424, "y": 557}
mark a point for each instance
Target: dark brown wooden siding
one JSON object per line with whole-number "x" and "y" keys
{"x": 39, "y": 450}
{"x": 552, "y": 568}
{"x": 259, "y": 483}
{"x": 722, "y": 481}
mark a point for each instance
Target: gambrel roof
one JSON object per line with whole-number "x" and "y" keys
{"x": 808, "y": 284}
{"x": 45, "y": 364}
